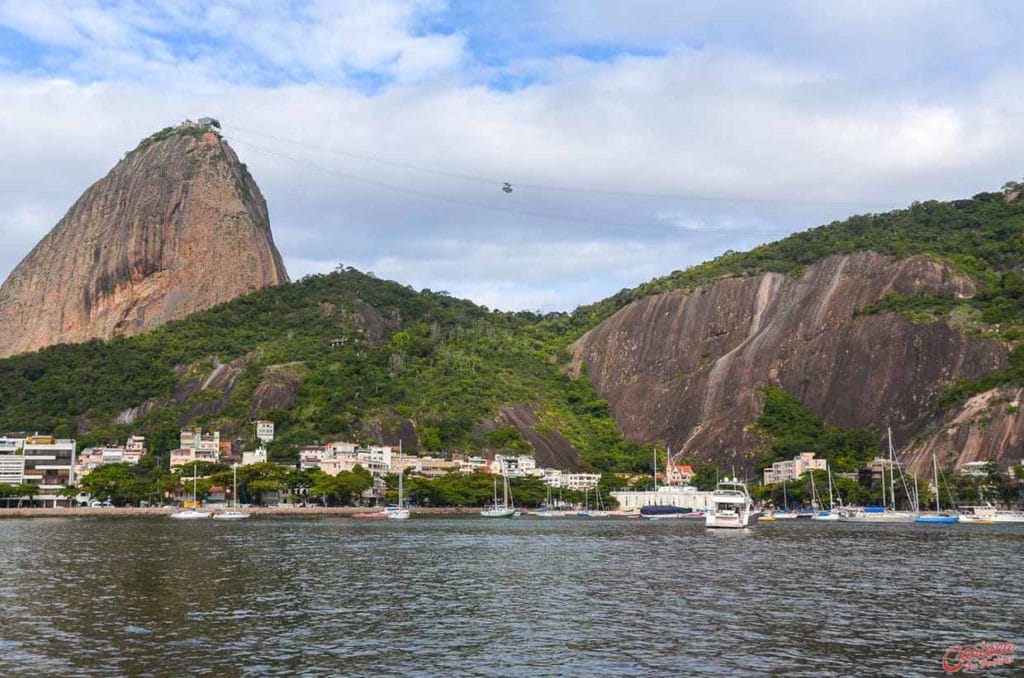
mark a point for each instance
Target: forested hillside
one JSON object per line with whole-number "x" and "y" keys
{"x": 347, "y": 355}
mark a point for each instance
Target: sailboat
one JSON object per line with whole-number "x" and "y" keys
{"x": 506, "y": 509}
{"x": 938, "y": 516}
{"x": 659, "y": 510}
{"x": 399, "y": 512}
{"x": 883, "y": 513}
{"x": 234, "y": 513}
{"x": 191, "y": 513}
{"x": 830, "y": 513}
{"x": 548, "y": 511}
{"x": 785, "y": 513}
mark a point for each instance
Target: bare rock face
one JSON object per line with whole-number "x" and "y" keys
{"x": 687, "y": 367}
{"x": 988, "y": 427}
{"x": 177, "y": 226}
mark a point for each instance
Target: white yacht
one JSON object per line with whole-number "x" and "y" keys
{"x": 731, "y": 506}
{"x": 988, "y": 514}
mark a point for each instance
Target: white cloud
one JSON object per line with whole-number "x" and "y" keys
{"x": 705, "y": 120}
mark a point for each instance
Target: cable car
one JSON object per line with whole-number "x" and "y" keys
{"x": 507, "y": 187}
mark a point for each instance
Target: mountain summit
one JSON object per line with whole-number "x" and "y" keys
{"x": 177, "y": 226}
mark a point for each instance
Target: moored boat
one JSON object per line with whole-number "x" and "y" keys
{"x": 234, "y": 513}
{"x": 731, "y": 506}
{"x": 656, "y": 512}
{"x": 190, "y": 514}
{"x": 506, "y": 509}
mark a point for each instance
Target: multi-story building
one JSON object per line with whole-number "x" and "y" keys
{"x": 50, "y": 465}
{"x": 554, "y": 477}
{"x": 794, "y": 468}
{"x": 195, "y": 439}
{"x": 679, "y": 474}
{"x": 12, "y": 468}
{"x": 191, "y": 455}
{"x": 135, "y": 447}
{"x": 432, "y": 467}
{"x": 581, "y": 481}
{"x": 11, "y": 445}
{"x": 265, "y": 431}
{"x": 514, "y": 466}
{"x": 93, "y": 457}
{"x": 12, "y": 460}
{"x": 472, "y": 464}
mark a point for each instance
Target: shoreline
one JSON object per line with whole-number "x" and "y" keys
{"x": 255, "y": 511}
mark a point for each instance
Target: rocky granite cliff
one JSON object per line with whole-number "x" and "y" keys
{"x": 687, "y": 367}
{"x": 177, "y": 226}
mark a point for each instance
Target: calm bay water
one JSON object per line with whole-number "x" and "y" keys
{"x": 107, "y": 596}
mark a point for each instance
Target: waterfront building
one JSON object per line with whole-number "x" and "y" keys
{"x": 686, "y": 496}
{"x": 265, "y": 431}
{"x": 553, "y": 477}
{"x": 581, "y": 481}
{"x": 794, "y": 468}
{"x": 50, "y": 465}
{"x": 514, "y": 466}
{"x": 12, "y": 468}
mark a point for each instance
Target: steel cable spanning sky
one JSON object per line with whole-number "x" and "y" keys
{"x": 497, "y": 183}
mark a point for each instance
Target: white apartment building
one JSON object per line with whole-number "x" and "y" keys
{"x": 580, "y": 481}
{"x": 514, "y": 467}
{"x": 793, "y": 468}
{"x": 553, "y": 477}
{"x": 12, "y": 468}
{"x": 50, "y": 464}
{"x": 265, "y": 431}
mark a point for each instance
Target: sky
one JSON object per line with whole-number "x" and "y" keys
{"x": 639, "y": 138}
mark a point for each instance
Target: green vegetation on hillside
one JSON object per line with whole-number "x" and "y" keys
{"x": 360, "y": 350}
{"x": 982, "y": 236}
{"x": 792, "y": 429}
{"x": 347, "y": 354}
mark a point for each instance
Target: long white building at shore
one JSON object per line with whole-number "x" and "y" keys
{"x": 685, "y": 496}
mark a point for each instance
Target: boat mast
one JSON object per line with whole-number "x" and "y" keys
{"x": 194, "y": 499}
{"x": 655, "y": 469}
{"x": 400, "y": 485}
{"x": 935, "y": 465}
{"x": 892, "y": 472}
{"x": 234, "y": 489}
{"x": 883, "y": 484}
{"x": 785, "y": 499}
{"x": 831, "y": 504}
